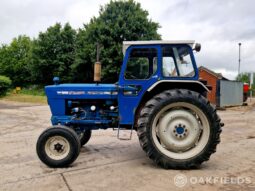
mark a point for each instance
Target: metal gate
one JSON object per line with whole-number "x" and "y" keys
{"x": 229, "y": 93}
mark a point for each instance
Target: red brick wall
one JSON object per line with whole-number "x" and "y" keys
{"x": 212, "y": 81}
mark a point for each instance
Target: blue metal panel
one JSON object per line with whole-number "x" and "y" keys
{"x": 83, "y": 124}
{"x": 129, "y": 103}
{"x": 82, "y": 91}
{"x": 57, "y": 106}
{"x": 57, "y": 94}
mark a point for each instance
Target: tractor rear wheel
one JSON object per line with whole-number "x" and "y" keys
{"x": 85, "y": 137}
{"x": 58, "y": 146}
{"x": 179, "y": 129}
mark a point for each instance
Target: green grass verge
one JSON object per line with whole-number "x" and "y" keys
{"x": 31, "y": 94}
{"x": 36, "y": 91}
{"x": 26, "y": 98}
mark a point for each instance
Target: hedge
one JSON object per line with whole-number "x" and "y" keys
{"x": 5, "y": 84}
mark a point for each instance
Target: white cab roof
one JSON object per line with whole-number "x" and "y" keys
{"x": 126, "y": 44}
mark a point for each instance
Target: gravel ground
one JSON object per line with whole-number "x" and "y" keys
{"x": 107, "y": 163}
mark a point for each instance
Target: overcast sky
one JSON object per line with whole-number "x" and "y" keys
{"x": 219, "y": 25}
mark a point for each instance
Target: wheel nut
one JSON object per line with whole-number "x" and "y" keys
{"x": 186, "y": 130}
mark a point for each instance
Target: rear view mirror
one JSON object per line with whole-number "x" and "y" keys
{"x": 197, "y": 47}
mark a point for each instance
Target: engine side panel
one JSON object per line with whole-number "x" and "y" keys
{"x": 87, "y": 106}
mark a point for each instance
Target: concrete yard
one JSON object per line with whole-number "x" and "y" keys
{"x": 107, "y": 163}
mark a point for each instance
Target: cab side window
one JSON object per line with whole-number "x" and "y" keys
{"x": 141, "y": 63}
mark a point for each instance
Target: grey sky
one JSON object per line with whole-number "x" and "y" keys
{"x": 219, "y": 25}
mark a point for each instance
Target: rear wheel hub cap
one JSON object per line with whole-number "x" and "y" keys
{"x": 178, "y": 130}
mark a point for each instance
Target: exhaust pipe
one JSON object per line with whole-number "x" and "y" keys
{"x": 97, "y": 67}
{"x": 97, "y": 72}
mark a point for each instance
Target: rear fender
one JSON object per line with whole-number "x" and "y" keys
{"x": 163, "y": 85}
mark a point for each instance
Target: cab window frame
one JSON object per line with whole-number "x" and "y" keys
{"x": 128, "y": 52}
{"x": 192, "y": 59}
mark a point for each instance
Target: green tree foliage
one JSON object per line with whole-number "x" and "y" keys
{"x": 61, "y": 51}
{"x": 15, "y": 60}
{"x": 245, "y": 77}
{"x": 53, "y": 54}
{"x": 5, "y": 84}
{"x": 118, "y": 21}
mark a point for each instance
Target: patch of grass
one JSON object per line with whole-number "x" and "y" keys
{"x": 26, "y": 98}
{"x": 30, "y": 94}
{"x": 33, "y": 90}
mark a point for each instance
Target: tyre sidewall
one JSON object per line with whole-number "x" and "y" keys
{"x": 206, "y": 108}
{"x": 69, "y": 135}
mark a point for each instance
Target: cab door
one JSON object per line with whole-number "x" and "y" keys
{"x": 139, "y": 71}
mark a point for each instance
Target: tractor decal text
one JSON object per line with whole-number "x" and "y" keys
{"x": 70, "y": 92}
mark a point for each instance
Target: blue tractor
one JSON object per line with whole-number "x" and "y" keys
{"x": 158, "y": 94}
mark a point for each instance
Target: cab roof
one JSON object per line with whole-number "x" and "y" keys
{"x": 126, "y": 44}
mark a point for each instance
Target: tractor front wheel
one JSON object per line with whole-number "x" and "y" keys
{"x": 85, "y": 137}
{"x": 58, "y": 146}
{"x": 179, "y": 129}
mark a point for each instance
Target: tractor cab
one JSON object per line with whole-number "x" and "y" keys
{"x": 148, "y": 64}
{"x": 174, "y": 59}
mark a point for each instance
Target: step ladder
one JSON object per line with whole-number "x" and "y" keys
{"x": 124, "y": 138}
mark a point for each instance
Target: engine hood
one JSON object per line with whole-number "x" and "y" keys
{"x": 80, "y": 91}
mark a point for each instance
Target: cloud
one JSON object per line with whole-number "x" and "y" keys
{"x": 227, "y": 73}
{"x": 82, "y": 11}
{"x": 218, "y": 25}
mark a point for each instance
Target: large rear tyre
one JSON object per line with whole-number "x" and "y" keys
{"x": 179, "y": 129}
{"x": 58, "y": 146}
{"x": 85, "y": 137}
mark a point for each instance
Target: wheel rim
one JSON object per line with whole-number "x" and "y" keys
{"x": 57, "y": 147}
{"x": 180, "y": 130}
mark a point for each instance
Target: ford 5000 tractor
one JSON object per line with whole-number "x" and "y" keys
{"x": 158, "y": 94}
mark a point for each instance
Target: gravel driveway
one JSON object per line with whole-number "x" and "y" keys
{"x": 107, "y": 163}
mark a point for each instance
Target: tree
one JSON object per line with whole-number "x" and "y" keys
{"x": 243, "y": 77}
{"x": 5, "y": 84}
{"x": 53, "y": 54}
{"x": 118, "y": 21}
{"x": 15, "y": 60}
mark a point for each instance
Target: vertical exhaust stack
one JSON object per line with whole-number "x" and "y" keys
{"x": 97, "y": 67}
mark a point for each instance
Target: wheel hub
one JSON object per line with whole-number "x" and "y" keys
{"x": 178, "y": 130}
{"x": 57, "y": 147}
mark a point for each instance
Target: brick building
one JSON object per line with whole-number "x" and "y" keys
{"x": 211, "y": 77}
